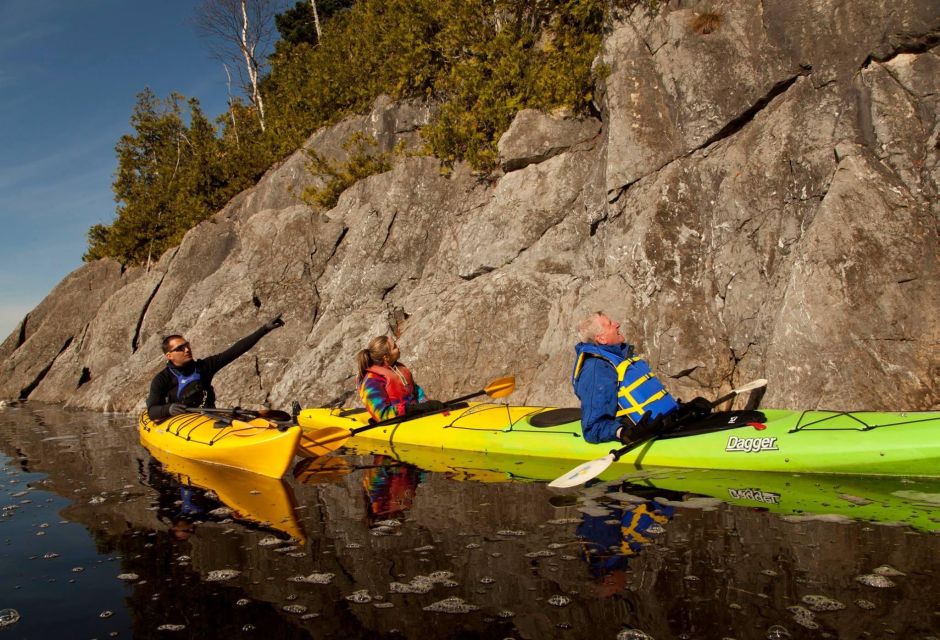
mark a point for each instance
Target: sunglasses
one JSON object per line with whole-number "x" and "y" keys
{"x": 180, "y": 348}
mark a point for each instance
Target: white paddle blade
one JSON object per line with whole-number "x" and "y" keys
{"x": 753, "y": 384}
{"x": 583, "y": 472}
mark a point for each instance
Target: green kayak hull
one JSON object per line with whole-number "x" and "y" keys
{"x": 858, "y": 442}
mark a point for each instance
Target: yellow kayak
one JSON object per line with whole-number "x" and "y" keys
{"x": 257, "y": 445}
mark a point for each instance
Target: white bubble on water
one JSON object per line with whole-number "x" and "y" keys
{"x": 314, "y": 578}
{"x": 803, "y": 617}
{"x": 268, "y": 541}
{"x": 427, "y": 547}
{"x": 49, "y": 555}
{"x": 887, "y": 570}
{"x": 418, "y": 584}
{"x": 287, "y": 549}
{"x": 309, "y": 616}
{"x": 8, "y": 617}
{"x": 865, "y": 604}
{"x": 633, "y": 634}
{"x": 691, "y": 578}
{"x": 360, "y": 597}
{"x": 383, "y": 605}
{"x": 388, "y": 523}
{"x": 565, "y": 521}
{"x": 249, "y": 627}
{"x": 440, "y": 576}
{"x": 353, "y": 545}
{"x": 822, "y": 603}
{"x": 655, "y": 529}
{"x": 77, "y": 569}
{"x": 221, "y": 512}
{"x": 106, "y": 614}
{"x": 569, "y": 557}
{"x": 241, "y": 602}
{"x": 545, "y": 553}
{"x": 294, "y": 608}
{"x": 777, "y": 632}
{"x": 874, "y": 580}
{"x": 218, "y": 575}
{"x": 510, "y": 532}
{"x": 296, "y": 554}
{"x": 171, "y": 627}
{"x": 506, "y": 614}
{"x": 96, "y": 500}
{"x": 559, "y": 601}
{"x": 487, "y": 580}
{"x": 770, "y": 572}
{"x": 472, "y": 545}
{"x": 451, "y": 605}
{"x": 384, "y": 531}
{"x": 450, "y": 583}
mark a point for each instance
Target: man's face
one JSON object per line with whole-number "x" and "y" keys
{"x": 179, "y": 353}
{"x": 610, "y": 332}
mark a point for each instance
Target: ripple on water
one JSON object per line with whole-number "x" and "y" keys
{"x": 777, "y": 632}
{"x": 8, "y": 617}
{"x": 360, "y": 597}
{"x": 314, "y": 578}
{"x": 803, "y": 617}
{"x": 298, "y": 609}
{"x": 451, "y": 605}
{"x": 874, "y": 580}
{"x": 822, "y": 603}
{"x": 218, "y": 575}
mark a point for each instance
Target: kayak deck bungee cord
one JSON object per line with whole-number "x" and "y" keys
{"x": 257, "y": 445}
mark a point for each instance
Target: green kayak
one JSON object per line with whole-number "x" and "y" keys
{"x": 854, "y": 442}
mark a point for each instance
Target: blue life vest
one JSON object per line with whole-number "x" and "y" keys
{"x": 640, "y": 390}
{"x": 182, "y": 381}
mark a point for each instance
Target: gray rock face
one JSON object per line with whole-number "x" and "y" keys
{"x": 760, "y": 199}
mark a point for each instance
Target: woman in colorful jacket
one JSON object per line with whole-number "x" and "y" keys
{"x": 386, "y": 386}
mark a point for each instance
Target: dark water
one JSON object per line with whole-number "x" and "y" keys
{"x": 101, "y": 540}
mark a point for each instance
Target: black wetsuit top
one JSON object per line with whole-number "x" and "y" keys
{"x": 163, "y": 388}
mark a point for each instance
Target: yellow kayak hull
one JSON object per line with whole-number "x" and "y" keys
{"x": 258, "y": 445}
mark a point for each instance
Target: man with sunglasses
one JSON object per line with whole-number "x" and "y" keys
{"x": 185, "y": 382}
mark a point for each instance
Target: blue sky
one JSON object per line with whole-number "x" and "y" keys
{"x": 70, "y": 72}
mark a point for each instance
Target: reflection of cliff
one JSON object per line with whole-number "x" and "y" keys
{"x": 710, "y": 573}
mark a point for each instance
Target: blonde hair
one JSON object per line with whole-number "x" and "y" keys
{"x": 590, "y": 327}
{"x": 379, "y": 347}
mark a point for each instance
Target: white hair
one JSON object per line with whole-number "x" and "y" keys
{"x": 590, "y": 327}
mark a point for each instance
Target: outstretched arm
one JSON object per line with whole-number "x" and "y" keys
{"x": 212, "y": 364}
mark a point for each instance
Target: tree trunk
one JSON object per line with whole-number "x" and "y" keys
{"x": 316, "y": 18}
{"x": 252, "y": 64}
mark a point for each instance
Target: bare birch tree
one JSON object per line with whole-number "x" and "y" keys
{"x": 241, "y": 32}
{"x": 316, "y": 18}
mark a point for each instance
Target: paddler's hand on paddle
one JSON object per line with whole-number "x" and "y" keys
{"x": 178, "y": 409}
{"x": 428, "y": 406}
{"x": 274, "y": 323}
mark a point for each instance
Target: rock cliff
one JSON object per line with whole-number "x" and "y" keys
{"x": 757, "y": 197}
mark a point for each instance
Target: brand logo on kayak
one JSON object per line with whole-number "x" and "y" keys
{"x": 751, "y": 445}
{"x": 755, "y": 495}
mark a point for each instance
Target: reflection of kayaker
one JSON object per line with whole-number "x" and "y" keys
{"x": 608, "y": 541}
{"x": 390, "y": 488}
{"x": 188, "y": 492}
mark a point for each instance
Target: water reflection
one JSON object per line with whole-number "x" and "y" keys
{"x": 480, "y": 547}
{"x": 190, "y": 492}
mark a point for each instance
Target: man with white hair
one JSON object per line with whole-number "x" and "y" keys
{"x": 621, "y": 398}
